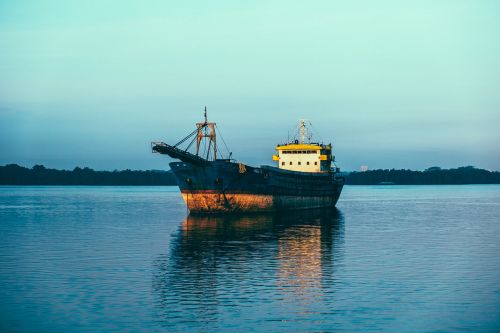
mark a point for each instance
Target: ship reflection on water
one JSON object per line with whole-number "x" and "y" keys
{"x": 220, "y": 267}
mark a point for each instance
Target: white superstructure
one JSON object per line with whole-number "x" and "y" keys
{"x": 304, "y": 157}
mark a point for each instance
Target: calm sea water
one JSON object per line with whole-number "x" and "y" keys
{"x": 390, "y": 258}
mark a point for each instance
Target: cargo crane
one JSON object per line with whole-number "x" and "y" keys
{"x": 204, "y": 131}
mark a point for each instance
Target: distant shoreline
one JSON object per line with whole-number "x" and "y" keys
{"x": 431, "y": 176}
{"x": 13, "y": 174}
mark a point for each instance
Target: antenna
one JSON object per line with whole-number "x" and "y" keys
{"x": 302, "y": 130}
{"x": 205, "y": 114}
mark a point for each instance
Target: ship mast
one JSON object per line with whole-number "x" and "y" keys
{"x": 206, "y": 130}
{"x": 302, "y": 130}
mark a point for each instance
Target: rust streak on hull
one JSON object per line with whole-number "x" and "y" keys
{"x": 217, "y": 202}
{"x": 211, "y": 202}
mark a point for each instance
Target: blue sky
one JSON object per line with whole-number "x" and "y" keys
{"x": 393, "y": 84}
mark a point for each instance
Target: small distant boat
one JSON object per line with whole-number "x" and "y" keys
{"x": 305, "y": 175}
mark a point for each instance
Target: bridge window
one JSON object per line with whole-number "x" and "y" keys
{"x": 315, "y": 163}
{"x": 291, "y": 163}
{"x": 282, "y": 163}
{"x": 307, "y": 163}
{"x": 299, "y": 163}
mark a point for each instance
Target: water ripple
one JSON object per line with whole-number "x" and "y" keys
{"x": 390, "y": 258}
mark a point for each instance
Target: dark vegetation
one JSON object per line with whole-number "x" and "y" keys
{"x": 13, "y": 174}
{"x": 431, "y": 176}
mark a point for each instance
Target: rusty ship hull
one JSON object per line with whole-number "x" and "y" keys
{"x": 223, "y": 186}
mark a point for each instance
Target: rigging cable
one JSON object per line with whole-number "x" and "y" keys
{"x": 187, "y": 137}
{"x": 223, "y": 141}
{"x": 316, "y": 132}
{"x": 190, "y": 144}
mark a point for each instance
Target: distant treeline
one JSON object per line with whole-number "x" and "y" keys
{"x": 13, "y": 174}
{"x": 431, "y": 176}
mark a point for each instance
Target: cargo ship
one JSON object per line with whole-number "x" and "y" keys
{"x": 303, "y": 177}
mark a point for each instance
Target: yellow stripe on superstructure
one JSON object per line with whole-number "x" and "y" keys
{"x": 300, "y": 146}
